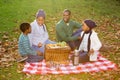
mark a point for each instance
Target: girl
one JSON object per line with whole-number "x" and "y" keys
{"x": 90, "y": 43}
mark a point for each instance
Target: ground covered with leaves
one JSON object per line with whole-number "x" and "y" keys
{"x": 108, "y": 31}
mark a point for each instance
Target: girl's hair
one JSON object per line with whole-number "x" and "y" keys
{"x": 24, "y": 26}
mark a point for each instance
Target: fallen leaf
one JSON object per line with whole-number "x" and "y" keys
{"x": 41, "y": 77}
{"x": 8, "y": 65}
{"x": 5, "y": 37}
{"x": 6, "y": 56}
{"x": 28, "y": 76}
{"x": 19, "y": 71}
{"x": 73, "y": 78}
{"x": 3, "y": 59}
{"x": 59, "y": 78}
{"x": 2, "y": 50}
{"x": 0, "y": 42}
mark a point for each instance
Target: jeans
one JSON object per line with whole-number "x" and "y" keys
{"x": 76, "y": 43}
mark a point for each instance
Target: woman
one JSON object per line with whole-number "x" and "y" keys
{"x": 39, "y": 35}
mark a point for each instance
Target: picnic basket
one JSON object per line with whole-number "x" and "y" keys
{"x": 57, "y": 54}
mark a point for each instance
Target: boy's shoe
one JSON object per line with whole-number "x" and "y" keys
{"x": 34, "y": 58}
{"x": 22, "y": 59}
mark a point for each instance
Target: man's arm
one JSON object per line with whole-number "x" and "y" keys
{"x": 63, "y": 36}
{"x": 77, "y": 25}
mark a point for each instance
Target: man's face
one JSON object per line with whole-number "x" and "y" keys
{"x": 66, "y": 16}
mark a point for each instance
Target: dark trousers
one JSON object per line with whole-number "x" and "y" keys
{"x": 76, "y": 43}
{"x": 83, "y": 57}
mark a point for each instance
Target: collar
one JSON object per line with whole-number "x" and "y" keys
{"x": 88, "y": 31}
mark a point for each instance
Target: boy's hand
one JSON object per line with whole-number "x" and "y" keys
{"x": 91, "y": 52}
{"x": 40, "y": 45}
{"x": 39, "y": 53}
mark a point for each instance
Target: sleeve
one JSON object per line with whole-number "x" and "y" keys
{"x": 34, "y": 41}
{"x": 77, "y": 25}
{"x": 46, "y": 35}
{"x": 96, "y": 42}
{"x": 30, "y": 39}
{"x": 27, "y": 48}
{"x": 80, "y": 46}
{"x": 63, "y": 36}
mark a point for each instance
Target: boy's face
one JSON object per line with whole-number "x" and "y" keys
{"x": 29, "y": 30}
{"x": 85, "y": 27}
{"x": 40, "y": 20}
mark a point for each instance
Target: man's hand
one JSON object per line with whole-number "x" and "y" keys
{"x": 40, "y": 45}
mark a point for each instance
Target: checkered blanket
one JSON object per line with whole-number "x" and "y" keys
{"x": 41, "y": 68}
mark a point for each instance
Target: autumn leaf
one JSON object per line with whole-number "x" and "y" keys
{"x": 73, "y": 78}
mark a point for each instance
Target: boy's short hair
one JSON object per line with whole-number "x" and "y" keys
{"x": 24, "y": 26}
{"x": 66, "y": 10}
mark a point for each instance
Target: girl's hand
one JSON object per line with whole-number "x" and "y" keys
{"x": 40, "y": 45}
{"x": 91, "y": 52}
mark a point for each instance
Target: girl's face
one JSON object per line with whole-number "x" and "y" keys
{"x": 40, "y": 20}
{"x": 85, "y": 27}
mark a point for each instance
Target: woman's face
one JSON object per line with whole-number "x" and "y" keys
{"x": 40, "y": 20}
{"x": 85, "y": 27}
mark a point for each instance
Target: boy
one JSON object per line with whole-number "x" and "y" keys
{"x": 24, "y": 45}
{"x": 90, "y": 43}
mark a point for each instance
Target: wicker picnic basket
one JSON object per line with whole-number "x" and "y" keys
{"x": 57, "y": 54}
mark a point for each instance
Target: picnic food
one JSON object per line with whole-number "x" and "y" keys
{"x": 61, "y": 44}
{"x": 58, "y": 45}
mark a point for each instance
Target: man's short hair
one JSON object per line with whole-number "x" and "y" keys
{"x": 66, "y": 10}
{"x": 24, "y": 26}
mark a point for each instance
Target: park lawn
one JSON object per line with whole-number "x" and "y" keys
{"x": 14, "y": 12}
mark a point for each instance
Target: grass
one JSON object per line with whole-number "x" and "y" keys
{"x": 14, "y": 12}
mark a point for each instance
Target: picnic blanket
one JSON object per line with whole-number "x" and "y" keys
{"x": 41, "y": 68}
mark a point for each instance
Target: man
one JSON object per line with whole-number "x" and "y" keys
{"x": 65, "y": 29}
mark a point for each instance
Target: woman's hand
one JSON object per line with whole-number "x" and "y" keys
{"x": 40, "y": 45}
{"x": 39, "y": 53}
